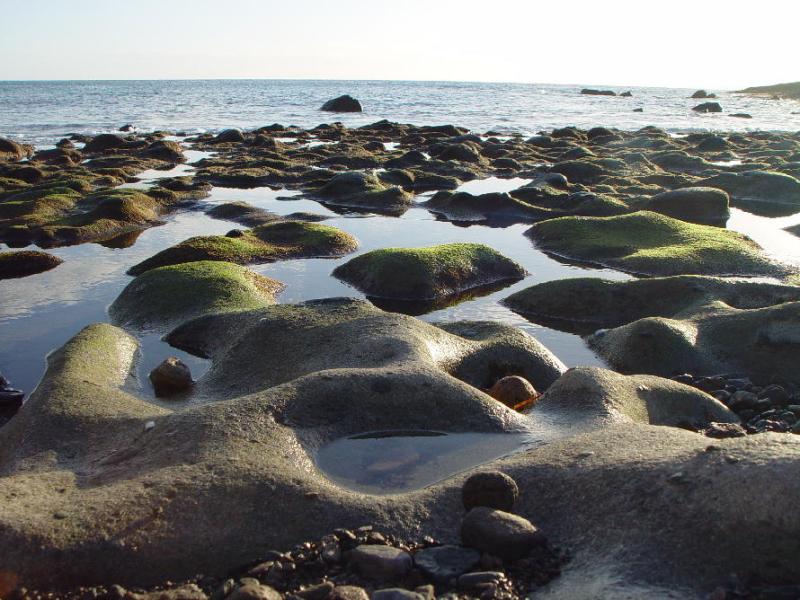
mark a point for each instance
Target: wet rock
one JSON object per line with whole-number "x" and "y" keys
{"x": 171, "y": 377}
{"x": 702, "y": 94}
{"x": 704, "y": 205}
{"x": 502, "y": 534}
{"x": 493, "y": 206}
{"x": 26, "y": 262}
{"x": 593, "y": 92}
{"x": 741, "y": 116}
{"x": 492, "y": 489}
{"x": 708, "y": 107}
{"x": 320, "y": 591}
{"x": 342, "y": 104}
{"x": 443, "y": 563}
{"x": 427, "y": 273}
{"x": 515, "y": 392}
{"x": 164, "y": 150}
{"x": 473, "y": 580}
{"x": 104, "y": 142}
{"x": 364, "y": 191}
{"x": 127, "y": 128}
{"x": 754, "y": 189}
{"x": 186, "y": 592}
{"x": 381, "y": 562}
{"x": 244, "y": 213}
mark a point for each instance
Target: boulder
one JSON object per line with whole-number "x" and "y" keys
{"x": 342, "y": 104}
{"x": 708, "y": 107}
{"x": 171, "y": 377}
{"x": 593, "y": 92}
{"x": 704, "y": 205}
{"x": 427, "y": 273}
{"x": 13, "y": 151}
{"x": 701, "y": 95}
{"x": 229, "y": 136}
{"x": 489, "y": 488}
{"x": 499, "y": 533}
{"x": 364, "y": 191}
{"x": 444, "y": 563}
{"x": 763, "y": 192}
{"x": 24, "y": 263}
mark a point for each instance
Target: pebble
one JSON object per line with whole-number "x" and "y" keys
{"x": 254, "y": 591}
{"x": 348, "y": 592}
{"x": 396, "y": 594}
{"x": 444, "y": 563}
{"x": 184, "y": 592}
{"x": 490, "y": 488}
{"x": 316, "y": 592}
{"x": 502, "y": 534}
{"x": 471, "y": 580}
{"x": 381, "y": 562}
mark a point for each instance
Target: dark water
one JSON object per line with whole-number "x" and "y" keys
{"x": 42, "y": 112}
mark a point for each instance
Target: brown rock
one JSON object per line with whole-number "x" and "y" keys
{"x": 171, "y": 377}
{"x": 515, "y": 392}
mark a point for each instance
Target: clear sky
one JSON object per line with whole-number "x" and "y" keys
{"x": 698, "y": 43}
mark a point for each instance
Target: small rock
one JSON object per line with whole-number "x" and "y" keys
{"x": 344, "y": 103}
{"x": 743, "y": 400}
{"x": 471, "y": 580}
{"x": 171, "y": 377}
{"x": 515, "y": 392}
{"x": 776, "y": 394}
{"x": 316, "y": 592}
{"x": 426, "y": 591}
{"x": 381, "y": 562}
{"x": 254, "y": 591}
{"x": 396, "y": 594}
{"x": 490, "y": 488}
{"x": 185, "y": 592}
{"x": 348, "y": 592}
{"x": 444, "y": 563}
{"x": 508, "y": 536}
{"x": 708, "y": 107}
{"x": 724, "y": 430}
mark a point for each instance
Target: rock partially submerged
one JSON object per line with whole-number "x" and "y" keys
{"x": 708, "y": 107}
{"x": 762, "y": 192}
{"x": 164, "y": 296}
{"x": 26, "y": 262}
{"x": 649, "y": 243}
{"x": 704, "y": 205}
{"x": 364, "y": 191}
{"x": 342, "y": 104}
{"x": 265, "y": 243}
{"x": 427, "y": 273}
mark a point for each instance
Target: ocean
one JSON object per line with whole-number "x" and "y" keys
{"x": 42, "y": 112}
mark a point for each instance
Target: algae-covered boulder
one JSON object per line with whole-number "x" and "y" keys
{"x": 704, "y": 205}
{"x": 266, "y": 243}
{"x": 427, "y": 273}
{"x": 26, "y": 262}
{"x": 605, "y": 303}
{"x": 244, "y": 213}
{"x": 762, "y": 192}
{"x": 354, "y": 189}
{"x": 12, "y": 151}
{"x": 463, "y": 206}
{"x": 650, "y": 243}
{"x": 164, "y": 296}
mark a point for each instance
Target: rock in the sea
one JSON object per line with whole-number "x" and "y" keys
{"x": 12, "y": 151}
{"x": 443, "y": 563}
{"x": 492, "y": 489}
{"x": 741, "y": 116}
{"x": 499, "y": 533}
{"x": 514, "y": 391}
{"x": 104, "y": 142}
{"x": 381, "y": 562}
{"x": 229, "y": 136}
{"x": 593, "y": 92}
{"x": 759, "y": 191}
{"x": 427, "y": 273}
{"x": 708, "y": 107}
{"x": 704, "y": 205}
{"x": 365, "y": 191}
{"x": 702, "y": 94}
{"x": 26, "y": 262}
{"x": 342, "y": 104}
{"x": 171, "y": 377}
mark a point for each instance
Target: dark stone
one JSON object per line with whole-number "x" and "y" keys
{"x": 702, "y": 94}
{"x": 11, "y": 397}
{"x": 171, "y": 377}
{"x": 724, "y": 430}
{"x": 502, "y": 534}
{"x": 490, "y": 488}
{"x": 776, "y": 394}
{"x": 381, "y": 562}
{"x": 591, "y": 92}
{"x": 344, "y": 103}
{"x": 229, "y": 136}
{"x": 443, "y": 563}
{"x": 708, "y": 107}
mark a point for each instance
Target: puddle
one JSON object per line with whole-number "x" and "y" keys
{"x": 492, "y": 184}
{"x": 394, "y": 462}
{"x": 769, "y": 233}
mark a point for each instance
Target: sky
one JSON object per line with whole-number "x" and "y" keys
{"x": 700, "y": 43}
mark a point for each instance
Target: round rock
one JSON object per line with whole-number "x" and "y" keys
{"x": 444, "y": 563}
{"x": 381, "y": 562}
{"x": 502, "y": 534}
{"x": 513, "y": 391}
{"x": 492, "y": 489}
{"x": 171, "y": 377}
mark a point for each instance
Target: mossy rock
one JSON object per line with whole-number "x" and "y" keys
{"x": 26, "y": 262}
{"x": 364, "y": 191}
{"x": 163, "y": 297}
{"x": 427, "y": 273}
{"x": 604, "y": 303}
{"x": 704, "y": 205}
{"x": 243, "y": 213}
{"x": 762, "y": 192}
{"x": 649, "y": 243}
{"x": 266, "y": 243}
